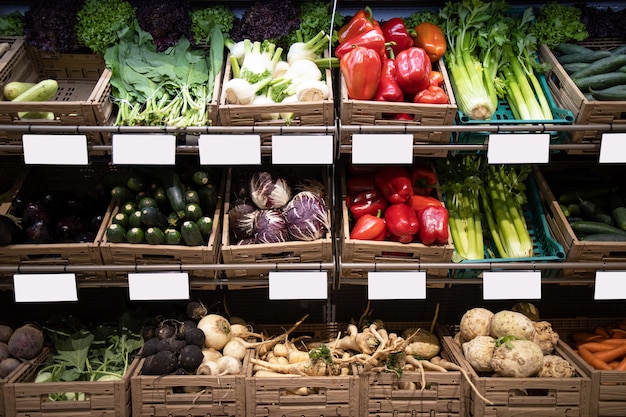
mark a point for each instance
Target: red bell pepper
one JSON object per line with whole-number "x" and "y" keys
{"x": 388, "y": 88}
{"x": 423, "y": 178}
{"x": 362, "y": 21}
{"x": 413, "y": 70}
{"x": 420, "y": 202}
{"x": 404, "y": 116}
{"x": 369, "y": 227}
{"x": 432, "y": 95}
{"x": 436, "y": 78}
{"x": 394, "y": 182}
{"x": 372, "y": 39}
{"x": 433, "y": 225}
{"x": 395, "y": 31}
{"x": 366, "y": 202}
{"x": 360, "y": 68}
{"x": 402, "y": 223}
{"x": 431, "y": 38}
{"x": 359, "y": 183}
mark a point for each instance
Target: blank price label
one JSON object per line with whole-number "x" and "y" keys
{"x": 55, "y": 149}
{"x": 382, "y": 149}
{"x": 230, "y": 149}
{"x": 44, "y": 287}
{"x": 396, "y": 285}
{"x": 158, "y": 286}
{"x": 298, "y": 285}
{"x": 304, "y": 149}
{"x": 518, "y": 148}
{"x": 154, "y": 149}
{"x": 613, "y": 148}
{"x": 512, "y": 285}
{"x": 610, "y": 285}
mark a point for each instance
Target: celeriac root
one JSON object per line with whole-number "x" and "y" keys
{"x": 454, "y": 367}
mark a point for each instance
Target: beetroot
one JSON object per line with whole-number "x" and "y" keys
{"x": 5, "y": 333}
{"x": 4, "y": 351}
{"x": 7, "y": 366}
{"x": 26, "y": 342}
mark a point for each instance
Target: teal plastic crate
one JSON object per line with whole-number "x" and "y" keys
{"x": 545, "y": 247}
{"x": 504, "y": 116}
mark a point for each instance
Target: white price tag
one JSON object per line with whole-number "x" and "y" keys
{"x": 298, "y": 285}
{"x": 396, "y": 285}
{"x": 382, "y": 148}
{"x": 158, "y": 286}
{"x": 518, "y": 148}
{"x": 512, "y": 285}
{"x": 138, "y": 149}
{"x": 613, "y": 148}
{"x": 230, "y": 149}
{"x": 610, "y": 285}
{"x": 55, "y": 149}
{"x": 305, "y": 149}
{"x": 30, "y": 288}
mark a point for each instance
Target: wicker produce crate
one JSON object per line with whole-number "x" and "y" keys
{"x": 24, "y": 372}
{"x": 574, "y": 249}
{"x": 525, "y": 396}
{"x": 585, "y": 111}
{"x": 328, "y": 395}
{"x": 24, "y": 397}
{"x": 81, "y": 99}
{"x": 189, "y": 395}
{"x": 368, "y": 113}
{"x": 320, "y": 250}
{"x": 177, "y": 255}
{"x": 386, "y": 251}
{"x": 315, "y": 113}
{"x": 74, "y": 181}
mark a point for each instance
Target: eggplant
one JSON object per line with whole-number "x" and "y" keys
{"x": 68, "y": 227}
{"x": 38, "y": 232}
{"x": 33, "y": 212}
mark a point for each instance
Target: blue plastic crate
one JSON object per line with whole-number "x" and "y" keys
{"x": 545, "y": 247}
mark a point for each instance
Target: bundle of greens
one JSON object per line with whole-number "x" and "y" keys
{"x": 12, "y": 24}
{"x": 204, "y": 20}
{"x": 558, "y": 23}
{"x": 100, "y": 20}
{"x": 316, "y": 16}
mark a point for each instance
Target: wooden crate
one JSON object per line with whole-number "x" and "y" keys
{"x": 574, "y": 248}
{"x": 317, "y": 113}
{"x": 24, "y": 372}
{"x": 8, "y": 58}
{"x": 24, "y": 397}
{"x": 370, "y": 251}
{"x": 81, "y": 99}
{"x": 57, "y": 179}
{"x": 320, "y": 250}
{"x": 368, "y": 113}
{"x": 146, "y": 254}
{"x": 189, "y": 395}
{"x": 524, "y": 396}
{"x": 332, "y": 395}
{"x": 585, "y": 111}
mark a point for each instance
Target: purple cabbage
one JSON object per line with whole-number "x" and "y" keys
{"x": 270, "y": 226}
{"x": 267, "y": 20}
{"x": 241, "y": 220}
{"x": 269, "y": 191}
{"x": 166, "y": 20}
{"x": 306, "y": 216}
{"x": 50, "y": 26}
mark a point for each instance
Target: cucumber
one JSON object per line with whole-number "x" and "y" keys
{"x": 615, "y": 93}
{"x": 121, "y": 219}
{"x": 600, "y": 81}
{"x": 191, "y": 234}
{"x": 619, "y": 215}
{"x": 134, "y": 219}
{"x": 154, "y": 236}
{"x": 604, "y": 237}
{"x": 583, "y": 57}
{"x": 173, "y": 237}
{"x": 575, "y": 66}
{"x": 147, "y": 202}
{"x": 135, "y": 235}
{"x": 588, "y": 227}
{"x": 619, "y": 50}
{"x": 572, "y": 48}
{"x": 191, "y": 196}
{"x": 15, "y": 88}
{"x": 153, "y": 217}
{"x": 193, "y": 212}
{"x": 205, "y": 224}
{"x": 121, "y": 194}
{"x": 42, "y": 91}
{"x": 128, "y": 208}
{"x": 116, "y": 233}
{"x": 574, "y": 196}
{"x": 602, "y": 66}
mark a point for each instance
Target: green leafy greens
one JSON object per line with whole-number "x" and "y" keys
{"x": 557, "y": 23}
{"x": 98, "y": 22}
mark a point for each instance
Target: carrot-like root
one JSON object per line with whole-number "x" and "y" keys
{"x": 451, "y": 366}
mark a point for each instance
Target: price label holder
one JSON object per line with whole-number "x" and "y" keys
{"x": 229, "y": 149}
{"x": 30, "y": 288}
{"x": 613, "y": 148}
{"x": 148, "y": 286}
{"x": 610, "y": 285}
{"x": 302, "y": 149}
{"x": 382, "y": 148}
{"x": 144, "y": 149}
{"x": 55, "y": 149}
{"x": 298, "y": 285}
{"x": 512, "y": 285}
{"x": 396, "y": 285}
{"x": 518, "y": 148}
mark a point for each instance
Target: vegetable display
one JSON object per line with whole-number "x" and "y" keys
{"x": 603, "y": 347}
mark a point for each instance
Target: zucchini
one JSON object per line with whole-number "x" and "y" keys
{"x": 604, "y": 237}
{"x": 191, "y": 196}
{"x": 600, "y": 81}
{"x": 153, "y": 217}
{"x": 155, "y": 236}
{"x": 121, "y": 194}
{"x": 116, "y": 233}
{"x": 42, "y": 91}
{"x": 128, "y": 208}
{"x": 15, "y": 88}
{"x": 201, "y": 177}
{"x": 602, "y": 66}
{"x": 575, "y": 66}
{"x": 173, "y": 237}
{"x": 619, "y": 215}
{"x": 173, "y": 220}
{"x": 147, "y": 202}
{"x": 572, "y": 48}
{"x": 193, "y": 212}
{"x": 161, "y": 198}
{"x": 589, "y": 227}
{"x": 208, "y": 198}
{"x": 615, "y": 93}
{"x": 205, "y": 224}
{"x": 583, "y": 57}
{"x": 191, "y": 234}
{"x": 134, "y": 219}
{"x": 136, "y": 183}
{"x": 121, "y": 219}
{"x": 174, "y": 190}
{"x": 135, "y": 235}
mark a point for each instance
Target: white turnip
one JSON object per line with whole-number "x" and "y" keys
{"x": 227, "y": 365}
{"x": 26, "y": 342}
{"x": 207, "y": 367}
{"x": 216, "y": 330}
{"x": 235, "y": 349}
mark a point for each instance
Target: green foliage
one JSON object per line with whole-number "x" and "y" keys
{"x": 315, "y": 16}
{"x": 422, "y": 16}
{"x": 12, "y": 24}
{"x": 99, "y": 20}
{"x": 557, "y": 23}
{"x": 204, "y": 20}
